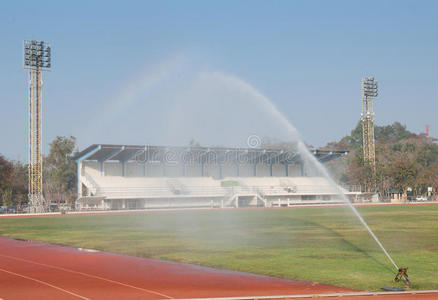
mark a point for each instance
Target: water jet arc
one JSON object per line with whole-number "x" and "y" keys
{"x": 291, "y": 132}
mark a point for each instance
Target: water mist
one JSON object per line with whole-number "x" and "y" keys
{"x": 291, "y": 132}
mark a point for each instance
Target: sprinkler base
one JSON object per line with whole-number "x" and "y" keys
{"x": 392, "y": 289}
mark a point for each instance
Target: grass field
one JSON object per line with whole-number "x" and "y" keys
{"x": 326, "y": 245}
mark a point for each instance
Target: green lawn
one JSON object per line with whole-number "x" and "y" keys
{"x": 326, "y": 245}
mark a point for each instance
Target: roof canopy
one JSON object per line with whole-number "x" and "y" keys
{"x": 218, "y": 155}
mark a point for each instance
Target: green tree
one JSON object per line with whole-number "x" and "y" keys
{"x": 6, "y": 170}
{"x": 403, "y": 159}
{"x": 429, "y": 178}
{"x": 359, "y": 173}
{"x": 391, "y": 133}
{"x": 7, "y": 197}
{"x": 403, "y": 169}
{"x": 19, "y": 184}
{"x": 60, "y": 171}
{"x": 354, "y": 140}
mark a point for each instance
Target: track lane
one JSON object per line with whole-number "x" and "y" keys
{"x": 77, "y": 283}
{"x": 17, "y": 286}
{"x": 86, "y": 275}
{"x": 45, "y": 283}
{"x": 102, "y": 275}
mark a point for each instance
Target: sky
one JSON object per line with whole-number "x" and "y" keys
{"x": 164, "y": 72}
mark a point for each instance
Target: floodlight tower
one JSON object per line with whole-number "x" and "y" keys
{"x": 369, "y": 92}
{"x": 37, "y": 58}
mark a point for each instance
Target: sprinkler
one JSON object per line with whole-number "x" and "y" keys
{"x": 403, "y": 275}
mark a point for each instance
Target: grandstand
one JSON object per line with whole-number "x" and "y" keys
{"x": 138, "y": 177}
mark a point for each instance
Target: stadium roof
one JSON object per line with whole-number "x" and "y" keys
{"x": 194, "y": 154}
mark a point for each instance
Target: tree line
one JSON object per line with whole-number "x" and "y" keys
{"x": 406, "y": 163}
{"x": 59, "y": 176}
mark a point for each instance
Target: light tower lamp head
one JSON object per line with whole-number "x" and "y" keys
{"x": 369, "y": 87}
{"x": 37, "y": 55}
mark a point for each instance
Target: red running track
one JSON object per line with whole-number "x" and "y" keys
{"x": 36, "y": 270}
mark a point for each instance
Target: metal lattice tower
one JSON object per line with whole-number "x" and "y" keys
{"x": 369, "y": 92}
{"x": 37, "y": 58}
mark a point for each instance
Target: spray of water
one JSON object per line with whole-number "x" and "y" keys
{"x": 276, "y": 116}
{"x": 209, "y": 85}
{"x": 303, "y": 149}
{"x": 147, "y": 83}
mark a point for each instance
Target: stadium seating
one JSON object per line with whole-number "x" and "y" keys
{"x": 129, "y": 176}
{"x": 201, "y": 191}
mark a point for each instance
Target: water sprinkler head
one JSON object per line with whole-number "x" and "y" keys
{"x": 403, "y": 275}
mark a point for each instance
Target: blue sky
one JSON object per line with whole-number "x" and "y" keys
{"x": 119, "y": 68}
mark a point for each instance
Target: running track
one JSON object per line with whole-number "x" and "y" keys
{"x": 35, "y": 270}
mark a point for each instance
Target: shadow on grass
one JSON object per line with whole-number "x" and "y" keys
{"x": 350, "y": 244}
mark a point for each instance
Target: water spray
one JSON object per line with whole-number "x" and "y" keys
{"x": 321, "y": 168}
{"x": 291, "y": 132}
{"x": 373, "y": 235}
{"x": 270, "y": 109}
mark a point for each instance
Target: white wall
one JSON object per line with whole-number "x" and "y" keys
{"x": 91, "y": 168}
{"x": 211, "y": 170}
{"x": 154, "y": 170}
{"x": 193, "y": 170}
{"x": 172, "y": 170}
{"x": 278, "y": 170}
{"x": 246, "y": 170}
{"x": 134, "y": 169}
{"x": 112, "y": 169}
{"x": 294, "y": 170}
{"x": 263, "y": 170}
{"x": 229, "y": 170}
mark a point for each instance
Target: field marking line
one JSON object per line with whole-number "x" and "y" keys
{"x": 89, "y": 275}
{"x": 45, "y": 283}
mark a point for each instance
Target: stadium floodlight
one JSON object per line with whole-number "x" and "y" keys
{"x": 369, "y": 87}
{"x": 37, "y": 55}
{"x": 37, "y": 58}
{"x": 369, "y": 91}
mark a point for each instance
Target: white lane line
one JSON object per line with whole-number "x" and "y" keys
{"x": 45, "y": 283}
{"x": 88, "y": 275}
